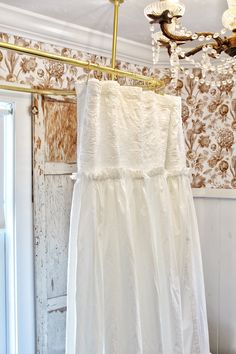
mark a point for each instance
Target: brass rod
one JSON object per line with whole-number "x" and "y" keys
{"x": 80, "y": 63}
{"x": 37, "y": 90}
{"x": 114, "y": 37}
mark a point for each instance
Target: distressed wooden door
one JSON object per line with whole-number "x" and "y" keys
{"x": 54, "y": 159}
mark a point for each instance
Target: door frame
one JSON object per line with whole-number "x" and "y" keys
{"x": 19, "y": 226}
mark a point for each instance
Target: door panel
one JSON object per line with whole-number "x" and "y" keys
{"x": 54, "y": 156}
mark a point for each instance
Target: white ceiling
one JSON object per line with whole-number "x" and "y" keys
{"x": 98, "y": 15}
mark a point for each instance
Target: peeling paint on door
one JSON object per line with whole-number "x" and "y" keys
{"x": 54, "y": 156}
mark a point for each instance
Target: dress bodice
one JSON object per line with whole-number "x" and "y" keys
{"x": 123, "y": 127}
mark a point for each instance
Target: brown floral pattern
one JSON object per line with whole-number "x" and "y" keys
{"x": 28, "y": 64}
{"x": 209, "y": 121}
{"x": 208, "y": 113}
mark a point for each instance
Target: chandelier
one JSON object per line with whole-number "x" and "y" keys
{"x": 216, "y": 53}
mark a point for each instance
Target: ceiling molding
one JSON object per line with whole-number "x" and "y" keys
{"x": 38, "y": 27}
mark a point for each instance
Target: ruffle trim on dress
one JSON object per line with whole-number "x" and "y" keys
{"x": 119, "y": 173}
{"x": 183, "y": 172}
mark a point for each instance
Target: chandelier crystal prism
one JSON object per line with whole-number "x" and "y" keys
{"x": 215, "y": 55}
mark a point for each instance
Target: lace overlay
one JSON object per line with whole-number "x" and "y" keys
{"x": 135, "y": 283}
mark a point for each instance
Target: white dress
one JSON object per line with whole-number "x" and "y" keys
{"x": 135, "y": 281}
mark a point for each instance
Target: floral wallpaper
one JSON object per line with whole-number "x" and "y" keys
{"x": 209, "y": 121}
{"x": 208, "y": 114}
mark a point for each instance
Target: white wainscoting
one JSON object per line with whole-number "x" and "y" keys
{"x": 217, "y": 227}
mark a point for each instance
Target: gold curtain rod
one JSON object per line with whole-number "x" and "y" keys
{"x": 150, "y": 82}
{"x": 75, "y": 62}
{"x": 24, "y": 89}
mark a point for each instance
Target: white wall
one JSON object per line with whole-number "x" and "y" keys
{"x": 217, "y": 227}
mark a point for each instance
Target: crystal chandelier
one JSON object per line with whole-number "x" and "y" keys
{"x": 218, "y": 52}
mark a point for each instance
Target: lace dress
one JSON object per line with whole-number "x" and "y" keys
{"x": 135, "y": 281}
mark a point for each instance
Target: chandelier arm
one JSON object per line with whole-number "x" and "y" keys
{"x": 165, "y": 30}
{"x": 190, "y": 52}
{"x": 168, "y": 49}
{"x": 187, "y": 54}
{"x": 198, "y": 49}
{"x": 194, "y": 50}
{"x": 164, "y": 43}
{"x": 177, "y": 38}
{"x": 218, "y": 40}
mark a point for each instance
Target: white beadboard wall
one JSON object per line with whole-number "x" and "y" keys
{"x": 217, "y": 227}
